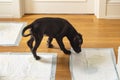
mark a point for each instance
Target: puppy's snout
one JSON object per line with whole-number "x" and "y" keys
{"x": 78, "y": 50}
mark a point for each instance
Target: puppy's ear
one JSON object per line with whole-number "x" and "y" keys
{"x": 80, "y": 35}
{"x": 78, "y": 39}
{"x": 81, "y": 38}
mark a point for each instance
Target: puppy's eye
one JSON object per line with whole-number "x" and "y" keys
{"x": 80, "y": 41}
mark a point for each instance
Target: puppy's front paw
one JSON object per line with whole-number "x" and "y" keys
{"x": 37, "y": 58}
{"x": 67, "y": 52}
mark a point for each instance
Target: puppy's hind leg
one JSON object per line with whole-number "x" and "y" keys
{"x": 37, "y": 43}
{"x": 49, "y": 42}
{"x": 30, "y": 43}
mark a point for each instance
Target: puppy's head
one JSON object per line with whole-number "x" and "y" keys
{"x": 77, "y": 42}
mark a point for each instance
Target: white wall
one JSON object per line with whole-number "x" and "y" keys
{"x": 59, "y": 0}
{"x": 5, "y": 8}
{"x": 6, "y": 0}
{"x": 59, "y": 6}
{"x": 113, "y": 9}
{"x": 11, "y": 8}
{"x": 107, "y": 9}
{"x": 100, "y": 8}
{"x": 103, "y": 8}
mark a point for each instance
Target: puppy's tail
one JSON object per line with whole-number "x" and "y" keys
{"x": 26, "y": 28}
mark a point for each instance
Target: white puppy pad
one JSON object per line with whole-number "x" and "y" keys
{"x": 10, "y": 33}
{"x": 93, "y": 64}
{"x": 22, "y": 66}
{"x": 118, "y": 64}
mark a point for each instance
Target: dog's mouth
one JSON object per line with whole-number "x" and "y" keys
{"x": 78, "y": 50}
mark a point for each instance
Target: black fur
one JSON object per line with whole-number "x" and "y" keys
{"x": 54, "y": 28}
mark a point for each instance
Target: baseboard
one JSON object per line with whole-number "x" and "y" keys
{"x": 113, "y": 2}
{"x": 113, "y": 9}
{"x": 112, "y": 17}
{"x": 11, "y": 9}
{"x": 6, "y": 16}
{"x": 57, "y": 0}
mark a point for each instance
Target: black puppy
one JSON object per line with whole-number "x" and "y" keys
{"x": 54, "y": 28}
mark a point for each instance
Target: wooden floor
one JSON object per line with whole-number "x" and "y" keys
{"x": 97, "y": 33}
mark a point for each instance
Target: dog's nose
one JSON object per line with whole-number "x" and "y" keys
{"x": 78, "y": 51}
